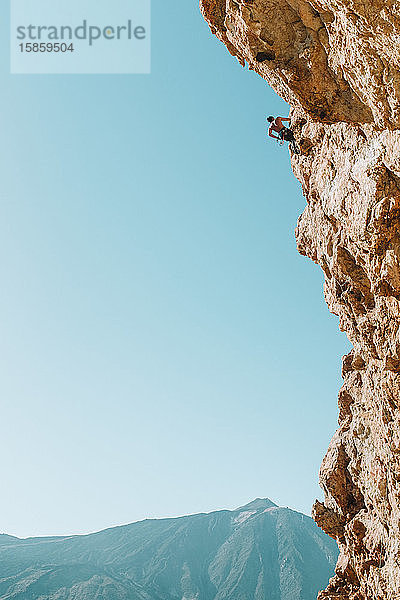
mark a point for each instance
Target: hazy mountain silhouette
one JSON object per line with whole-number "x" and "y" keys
{"x": 256, "y": 552}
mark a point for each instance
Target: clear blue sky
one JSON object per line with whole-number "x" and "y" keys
{"x": 164, "y": 349}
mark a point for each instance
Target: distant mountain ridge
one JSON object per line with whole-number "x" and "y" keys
{"x": 259, "y": 551}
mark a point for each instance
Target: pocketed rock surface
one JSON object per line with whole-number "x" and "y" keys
{"x": 336, "y": 62}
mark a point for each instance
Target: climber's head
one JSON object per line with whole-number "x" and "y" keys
{"x": 270, "y": 119}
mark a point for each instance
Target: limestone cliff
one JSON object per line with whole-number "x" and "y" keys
{"x": 337, "y": 63}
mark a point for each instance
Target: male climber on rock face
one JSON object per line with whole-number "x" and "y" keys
{"x": 284, "y": 133}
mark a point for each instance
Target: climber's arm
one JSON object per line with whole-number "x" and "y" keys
{"x": 285, "y": 119}
{"x": 270, "y": 133}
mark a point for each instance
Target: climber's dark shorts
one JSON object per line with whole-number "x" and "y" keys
{"x": 286, "y": 134}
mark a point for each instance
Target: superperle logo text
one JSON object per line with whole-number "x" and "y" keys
{"x": 84, "y": 31}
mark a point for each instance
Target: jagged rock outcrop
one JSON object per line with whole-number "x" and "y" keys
{"x": 337, "y": 63}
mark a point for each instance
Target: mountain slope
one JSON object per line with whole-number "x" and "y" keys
{"x": 258, "y": 551}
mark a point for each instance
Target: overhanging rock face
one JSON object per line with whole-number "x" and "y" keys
{"x": 337, "y": 60}
{"x": 337, "y": 64}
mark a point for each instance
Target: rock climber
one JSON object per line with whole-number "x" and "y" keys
{"x": 285, "y": 134}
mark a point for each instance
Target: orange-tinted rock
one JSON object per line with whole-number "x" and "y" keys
{"x": 337, "y": 63}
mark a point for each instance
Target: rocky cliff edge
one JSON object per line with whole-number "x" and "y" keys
{"x": 336, "y": 62}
